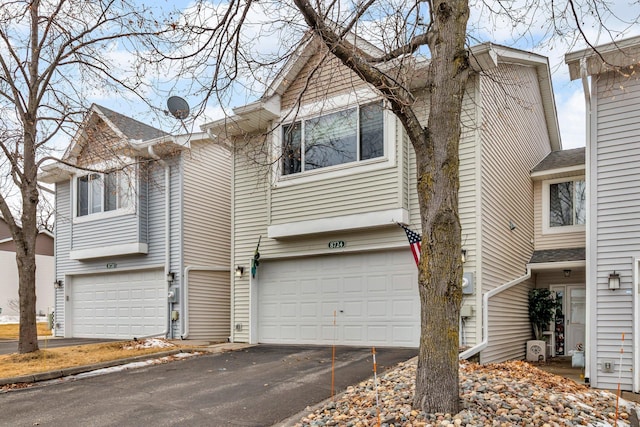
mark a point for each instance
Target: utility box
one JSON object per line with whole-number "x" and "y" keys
{"x": 467, "y": 283}
{"x": 173, "y": 295}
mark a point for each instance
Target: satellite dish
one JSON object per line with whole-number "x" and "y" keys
{"x": 178, "y": 107}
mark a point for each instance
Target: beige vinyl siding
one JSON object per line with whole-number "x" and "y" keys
{"x": 322, "y": 77}
{"x": 544, "y": 279}
{"x": 512, "y": 144}
{"x": 555, "y": 240}
{"x": 508, "y": 319}
{"x": 617, "y": 238}
{"x": 207, "y": 201}
{"x": 468, "y": 204}
{"x": 336, "y": 197}
{"x": 250, "y": 218}
{"x": 207, "y": 239}
{"x": 209, "y": 305}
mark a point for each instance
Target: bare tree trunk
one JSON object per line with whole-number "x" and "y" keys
{"x": 28, "y": 341}
{"x": 440, "y": 276}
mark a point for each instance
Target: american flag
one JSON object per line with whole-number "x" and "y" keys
{"x": 414, "y": 242}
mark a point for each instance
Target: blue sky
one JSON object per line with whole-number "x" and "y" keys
{"x": 529, "y": 34}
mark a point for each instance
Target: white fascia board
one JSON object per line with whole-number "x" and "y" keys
{"x": 557, "y": 265}
{"x": 536, "y": 176}
{"x": 109, "y": 251}
{"x": 56, "y": 172}
{"x": 340, "y": 223}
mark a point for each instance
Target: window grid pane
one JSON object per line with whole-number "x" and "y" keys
{"x": 291, "y": 148}
{"x": 330, "y": 140}
{"x": 95, "y": 193}
{"x": 110, "y": 191}
{"x": 561, "y": 204}
{"x": 371, "y": 131}
{"x": 83, "y": 195}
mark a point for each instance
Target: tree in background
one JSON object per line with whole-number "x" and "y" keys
{"x": 55, "y": 55}
{"x": 244, "y": 43}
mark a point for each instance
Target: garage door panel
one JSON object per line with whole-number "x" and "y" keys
{"x": 117, "y": 305}
{"x": 373, "y": 299}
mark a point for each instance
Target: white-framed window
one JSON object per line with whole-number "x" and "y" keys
{"x": 564, "y": 205}
{"x": 100, "y": 193}
{"x": 349, "y": 135}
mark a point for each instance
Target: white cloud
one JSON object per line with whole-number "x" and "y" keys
{"x": 571, "y": 115}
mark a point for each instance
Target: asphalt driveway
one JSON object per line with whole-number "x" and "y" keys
{"x": 257, "y": 386}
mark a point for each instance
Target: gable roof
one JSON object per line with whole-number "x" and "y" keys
{"x": 558, "y": 161}
{"x": 126, "y": 128}
{"x": 603, "y": 58}
{"x": 135, "y": 138}
{"x": 256, "y": 116}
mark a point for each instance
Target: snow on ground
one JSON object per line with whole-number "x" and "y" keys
{"x": 5, "y": 319}
{"x": 149, "y": 343}
{"x": 134, "y": 365}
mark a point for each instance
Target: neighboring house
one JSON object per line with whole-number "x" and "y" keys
{"x": 142, "y": 248}
{"x": 334, "y": 267}
{"x": 612, "y": 91}
{"x": 9, "y": 302}
{"x": 558, "y": 262}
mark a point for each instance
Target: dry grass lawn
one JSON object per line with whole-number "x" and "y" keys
{"x": 14, "y": 364}
{"x": 10, "y": 331}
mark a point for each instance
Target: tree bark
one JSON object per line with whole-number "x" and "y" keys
{"x": 436, "y": 147}
{"x": 440, "y": 275}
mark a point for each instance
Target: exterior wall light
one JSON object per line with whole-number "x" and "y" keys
{"x": 567, "y": 273}
{"x": 57, "y": 284}
{"x": 171, "y": 277}
{"x": 239, "y": 271}
{"x": 614, "y": 281}
{"x": 464, "y": 256}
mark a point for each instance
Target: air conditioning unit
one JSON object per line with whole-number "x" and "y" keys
{"x": 536, "y": 351}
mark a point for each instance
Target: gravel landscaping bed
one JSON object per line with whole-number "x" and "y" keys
{"x": 506, "y": 394}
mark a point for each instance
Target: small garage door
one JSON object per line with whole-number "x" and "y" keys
{"x": 373, "y": 298}
{"x": 117, "y": 305}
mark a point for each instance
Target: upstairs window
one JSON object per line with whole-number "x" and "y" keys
{"x": 567, "y": 203}
{"x": 103, "y": 193}
{"x": 345, "y": 136}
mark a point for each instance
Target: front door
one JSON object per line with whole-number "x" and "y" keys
{"x": 570, "y": 319}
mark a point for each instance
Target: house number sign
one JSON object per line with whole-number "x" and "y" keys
{"x": 336, "y": 244}
{"x": 112, "y": 265}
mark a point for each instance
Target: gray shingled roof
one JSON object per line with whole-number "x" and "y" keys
{"x": 561, "y": 159}
{"x": 558, "y": 255}
{"x": 132, "y": 128}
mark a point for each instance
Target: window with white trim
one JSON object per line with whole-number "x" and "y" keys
{"x": 567, "y": 203}
{"x": 103, "y": 192}
{"x": 350, "y": 135}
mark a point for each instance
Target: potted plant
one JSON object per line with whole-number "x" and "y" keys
{"x": 542, "y": 310}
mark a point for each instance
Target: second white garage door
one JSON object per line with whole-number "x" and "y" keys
{"x": 117, "y": 305}
{"x": 373, "y": 298}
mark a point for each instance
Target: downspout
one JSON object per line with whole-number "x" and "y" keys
{"x": 167, "y": 234}
{"x": 485, "y": 314}
{"x": 584, "y": 76}
{"x": 185, "y": 297}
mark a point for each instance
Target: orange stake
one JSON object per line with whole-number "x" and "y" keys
{"x": 375, "y": 383}
{"x": 619, "y": 378}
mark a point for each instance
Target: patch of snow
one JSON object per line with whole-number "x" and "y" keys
{"x": 133, "y": 365}
{"x": 5, "y": 319}
{"x": 9, "y": 320}
{"x": 149, "y": 343}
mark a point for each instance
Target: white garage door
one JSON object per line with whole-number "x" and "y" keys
{"x": 117, "y": 305}
{"x": 373, "y": 298}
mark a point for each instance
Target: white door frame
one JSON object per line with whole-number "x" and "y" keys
{"x": 568, "y": 329}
